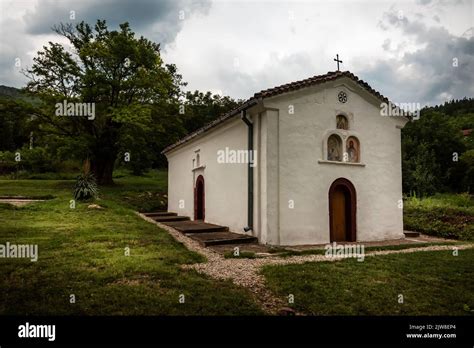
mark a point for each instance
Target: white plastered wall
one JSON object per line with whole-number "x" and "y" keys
{"x": 290, "y": 148}
{"x": 299, "y": 176}
{"x": 225, "y": 184}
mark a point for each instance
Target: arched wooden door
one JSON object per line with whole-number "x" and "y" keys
{"x": 199, "y": 199}
{"x": 342, "y": 211}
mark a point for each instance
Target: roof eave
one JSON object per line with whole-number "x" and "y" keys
{"x": 279, "y": 90}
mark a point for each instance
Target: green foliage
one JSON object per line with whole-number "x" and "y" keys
{"x": 423, "y": 176}
{"x": 137, "y": 100}
{"x": 458, "y": 108}
{"x": 36, "y": 160}
{"x": 145, "y": 143}
{"x": 135, "y": 153}
{"x": 14, "y": 125}
{"x": 85, "y": 187}
{"x": 135, "y": 115}
{"x": 467, "y": 162}
{"x": 441, "y": 200}
{"x": 443, "y": 215}
{"x": 433, "y": 148}
{"x": 164, "y": 131}
{"x": 8, "y": 164}
{"x": 202, "y": 108}
{"x": 124, "y": 76}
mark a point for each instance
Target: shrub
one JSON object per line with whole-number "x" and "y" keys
{"x": 38, "y": 160}
{"x": 86, "y": 187}
{"x": 7, "y": 163}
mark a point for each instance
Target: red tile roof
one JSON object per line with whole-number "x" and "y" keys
{"x": 289, "y": 87}
{"x": 466, "y": 132}
{"x": 315, "y": 80}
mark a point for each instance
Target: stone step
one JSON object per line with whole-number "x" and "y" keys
{"x": 160, "y": 213}
{"x": 169, "y": 218}
{"x": 411, "y": 234}
{"x": 221, "y": 238}
{"x": 196, "y": 227}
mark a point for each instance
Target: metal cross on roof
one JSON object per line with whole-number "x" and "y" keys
{"x": 338, "y": 61}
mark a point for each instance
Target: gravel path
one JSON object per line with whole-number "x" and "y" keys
{"x": 246, "y": 272}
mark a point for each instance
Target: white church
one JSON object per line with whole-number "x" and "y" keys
{"x": 308, "y": 162}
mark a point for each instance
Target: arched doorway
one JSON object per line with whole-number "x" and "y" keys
{"x": 342, "y": 211}
{"x": 199, "y": 199}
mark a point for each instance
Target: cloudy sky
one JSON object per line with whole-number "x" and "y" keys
{"x": 411, "y": 51}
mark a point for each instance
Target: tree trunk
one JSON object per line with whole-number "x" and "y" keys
{"x": 103, "y": 167}
{"x": 103, "y": 155}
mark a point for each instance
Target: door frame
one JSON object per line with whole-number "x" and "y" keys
{"x": 353, "y": 208}
{"x": 199, "y": 180}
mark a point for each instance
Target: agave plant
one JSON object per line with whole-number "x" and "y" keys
{"x": 86, "y": 187}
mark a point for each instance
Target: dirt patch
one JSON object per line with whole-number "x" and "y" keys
{"x": 20, "y": 202}
{"x": 141, "y": 280}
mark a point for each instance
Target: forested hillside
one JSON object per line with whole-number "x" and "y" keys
{"x": 437, "y": 155}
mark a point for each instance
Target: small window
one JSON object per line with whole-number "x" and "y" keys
{"x": 334, "y": 148}
{"x": 198, "y": 162}
{"x": 341, "y": 122}
{"x": 353, "y": 149}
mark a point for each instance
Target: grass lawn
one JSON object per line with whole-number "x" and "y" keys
{"x": 432, "y": 283}
{"x": 82, "y": 252}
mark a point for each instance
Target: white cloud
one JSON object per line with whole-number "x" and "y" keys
{"x": 240, "y": 47}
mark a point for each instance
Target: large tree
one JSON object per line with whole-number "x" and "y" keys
{"x": 122, "y": 75}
